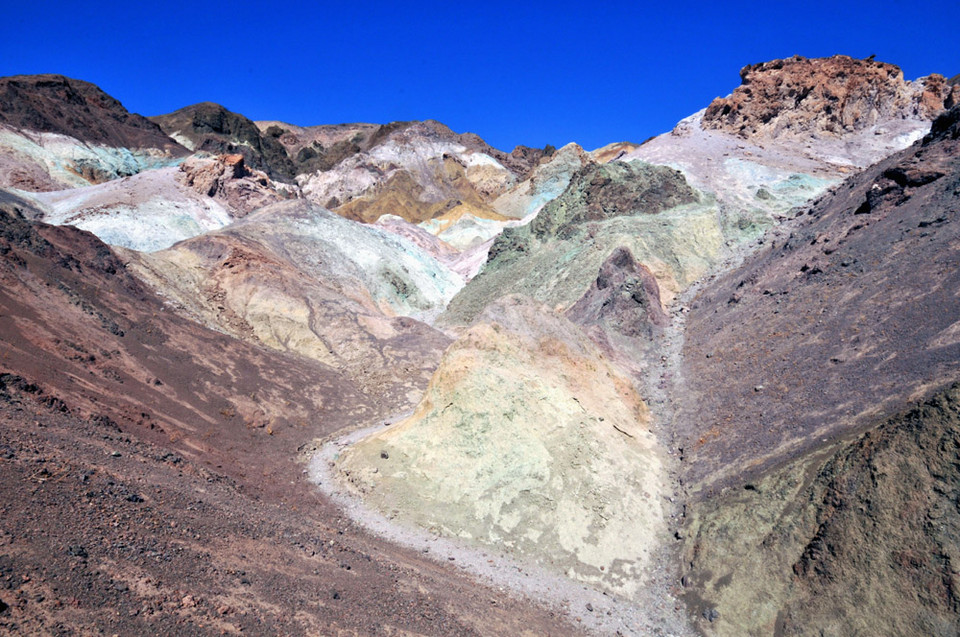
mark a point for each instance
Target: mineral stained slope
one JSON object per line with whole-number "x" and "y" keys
{"x": 57, "y": 104}
{"x": 169, "y": 448}
{"x": 794, "y": 128}
{"x": 297, "y": 278}
{"x": 560, "y": 468}
{"x": 651, "y": 210}
{"x": 802, "y": 406}
{"x": 57, "y": 132}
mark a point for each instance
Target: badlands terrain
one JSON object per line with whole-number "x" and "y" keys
{"x": 365, "y": 379}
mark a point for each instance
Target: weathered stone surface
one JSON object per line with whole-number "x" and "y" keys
{"x": 801, "y": 97}
{"x": 649, "y": 209}
{"x": 862, "y": 537}
{"x": 213, "y": 129}
{"x": 624, "y": 298}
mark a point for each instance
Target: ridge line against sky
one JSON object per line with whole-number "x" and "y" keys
{"x": 530, "y": 73}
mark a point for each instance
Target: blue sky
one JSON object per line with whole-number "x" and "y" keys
{"x": 513, "y": 72}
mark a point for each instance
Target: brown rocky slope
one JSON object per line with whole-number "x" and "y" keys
{"x": 808, "y": 511}
{"x": 57, "y": 104}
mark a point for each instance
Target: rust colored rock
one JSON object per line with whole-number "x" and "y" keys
{"x": 824, "y": 97}
{"x": 236, "y": 163}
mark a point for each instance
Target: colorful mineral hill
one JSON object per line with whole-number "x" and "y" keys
{"x": 358, "y": 379}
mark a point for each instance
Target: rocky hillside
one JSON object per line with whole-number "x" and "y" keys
{"x": 57, "y": 104}
{"x": 211, "y": 128}
{"x": 831, "y": 324}
{"x": 836, "y": 342}
{"x": 56, "y": 133}
{"x": 316, "y": 380}
{"x": 171, "y": 448}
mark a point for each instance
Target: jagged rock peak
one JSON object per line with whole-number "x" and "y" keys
{"x": 825, "y": 97}
{"x": 58, "y": 104}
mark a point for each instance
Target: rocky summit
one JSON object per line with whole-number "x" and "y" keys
{"x": 383, "y": 378}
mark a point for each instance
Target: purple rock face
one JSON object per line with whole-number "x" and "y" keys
{"x": 625, "y": 298}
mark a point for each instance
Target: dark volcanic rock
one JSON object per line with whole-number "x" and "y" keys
{"x": 625, "y": 298}
{"x": 850, "y": 310}
{"x": 57, "y": 104}
{"x": 604, "y": 191}
{"x": 598, "y": 192}
{"x": 216, "y": 130}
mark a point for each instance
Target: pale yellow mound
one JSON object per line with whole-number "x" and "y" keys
{"x": 530, "y": 441}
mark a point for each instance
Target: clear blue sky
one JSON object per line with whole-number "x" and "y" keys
{"x": 513, "y": 72}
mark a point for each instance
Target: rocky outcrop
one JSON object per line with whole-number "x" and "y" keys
{"x": 213, "y": 129}
{"x": 800, "y": 97}
{"x": 228, "y": 180}
{"x": 650, "y": 210}
{"x": 604, "y": 191}
{"x": 57, "y": 104}
{"x": 860, "y": 538}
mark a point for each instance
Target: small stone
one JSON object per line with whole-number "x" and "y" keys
{"x": 589, "y": 607}
{"x": 115, "y": 454}
{"x": 384, "y": 455}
